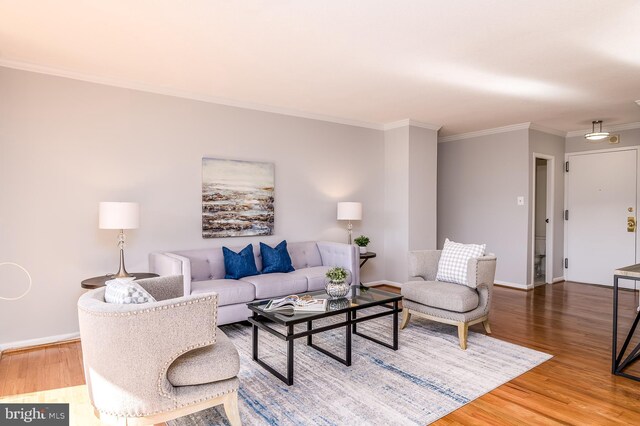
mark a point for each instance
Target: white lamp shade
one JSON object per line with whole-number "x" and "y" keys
{"x": 115, "y": 215}
{"x": 349, "y": 211}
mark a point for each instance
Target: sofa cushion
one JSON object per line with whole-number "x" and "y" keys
{"x": 238, "y": 265}
{"x": 229, "y": 291}
{"x": 275, "y": 259}
{"x": 315, "y": 275}
{"x": 200, "y": 269}
{"x": 441, "y": 295}
{"x": 305, "y": 254}
{"x": 454, "y": 259}
{"x": 277, "y": 284}
{"x": 219, "y": 361}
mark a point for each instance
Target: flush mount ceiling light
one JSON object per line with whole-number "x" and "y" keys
{"x": 596, "y": 136}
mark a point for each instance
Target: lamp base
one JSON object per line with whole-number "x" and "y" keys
{"x": 122, "y": 271}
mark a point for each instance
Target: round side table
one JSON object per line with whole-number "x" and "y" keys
{"x": 97, "y": 282}
{"x": 366, "y": 256}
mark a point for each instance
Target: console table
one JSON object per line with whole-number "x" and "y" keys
{"x": 618, "y": 364}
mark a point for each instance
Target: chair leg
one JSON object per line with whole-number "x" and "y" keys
{"x": 463, "y": 331}
{"x": 231, "y": 409}
{"x": 485, "y": 323}
{"x": 406, "y": 316}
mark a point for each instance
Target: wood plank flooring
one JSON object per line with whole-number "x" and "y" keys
{"x": 568, "y": 320}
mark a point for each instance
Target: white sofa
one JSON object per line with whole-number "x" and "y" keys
{"x": 203, "y": 271}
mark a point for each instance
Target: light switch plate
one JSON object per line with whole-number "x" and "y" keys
{"x": 521, "y": 201}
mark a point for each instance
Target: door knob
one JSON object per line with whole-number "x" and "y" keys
{"x": 546, "y": 220}
{"x": 631, "y": 224}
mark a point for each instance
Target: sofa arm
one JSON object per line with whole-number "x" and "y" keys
{"x": 127, "y": 349}
{"x": 481, "y": 271}
{"x": 344, "y": 255}
{"x": 424, "y": 263}
{"x": 167, "y": 263}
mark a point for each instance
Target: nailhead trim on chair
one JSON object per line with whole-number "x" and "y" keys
{"x": 158, "y": 308}
{"x": 163, "y": 373}
{"x": 119, "y": 414}
{"x": 165, "y": 367}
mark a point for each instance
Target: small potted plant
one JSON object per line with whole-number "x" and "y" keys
{"x": 337, "y": 286}
{"x": 362, "y": 242}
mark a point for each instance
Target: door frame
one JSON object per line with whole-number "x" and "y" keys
{"x": 567, "y": 155}
{"x": 551, "y": 179}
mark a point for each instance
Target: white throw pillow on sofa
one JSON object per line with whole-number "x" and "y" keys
{"x": 452, "y": 266}
{"x": 126, "y": 291}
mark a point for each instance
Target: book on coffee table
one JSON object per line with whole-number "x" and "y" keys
{"x": 296, "y": 304}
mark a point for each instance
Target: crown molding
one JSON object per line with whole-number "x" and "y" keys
{"x": 548, "y": 130}
{"x": 503, "y": 129}
{"x": 614, "y": 128}
{"x": 149, "y": 88}
{"x": 485, "y": 132}
{"x": 410, "y": 122}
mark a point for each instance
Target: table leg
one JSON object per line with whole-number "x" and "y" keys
{"x": 395, "y": 325}
{"x": 309, "y": 337}
{"x": 354, "y": 315}
{"x": 290, "y": 356}
{"x": 614, "y": 345}
{"x": 254, "y": 338}
{"x": 348, "y": 342}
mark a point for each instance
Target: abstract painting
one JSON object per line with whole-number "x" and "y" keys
{"x": 237, "y": 198}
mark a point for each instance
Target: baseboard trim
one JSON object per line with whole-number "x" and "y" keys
{"x": 34, "y": 343}
{"x": 382, "y": 282}
{"x": 513, "y": 285}
{"x": 557, "y": 280}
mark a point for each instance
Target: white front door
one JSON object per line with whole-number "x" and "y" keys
{"x": 601, "y": 197}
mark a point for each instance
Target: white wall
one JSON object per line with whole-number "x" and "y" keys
{"x": 396, "y": 201}
{"x": 67, "y": 145}
{"x": 479, "y": 180}
{"x": 410, "y": 195}
{"x": 423, "y": 188}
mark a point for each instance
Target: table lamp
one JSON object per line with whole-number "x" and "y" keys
{"x": 349, "y": 210}
{"x": 117, "y": 215}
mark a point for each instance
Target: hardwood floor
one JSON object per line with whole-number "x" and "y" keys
{"x": 568, "y": 320}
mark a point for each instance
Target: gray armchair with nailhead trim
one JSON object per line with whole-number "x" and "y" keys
{"x": 153, "y": 362}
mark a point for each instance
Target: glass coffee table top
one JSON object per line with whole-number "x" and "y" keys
{"x": 359, "y": 296}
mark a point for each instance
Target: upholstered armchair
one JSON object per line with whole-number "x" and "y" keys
{"x": 153, "y": 362}
{"x": 449, "y": 303}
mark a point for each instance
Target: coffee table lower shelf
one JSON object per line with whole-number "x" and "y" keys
{"x": 260, "y": 322}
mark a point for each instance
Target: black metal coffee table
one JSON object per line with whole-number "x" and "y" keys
{"x": 359, "y": 298}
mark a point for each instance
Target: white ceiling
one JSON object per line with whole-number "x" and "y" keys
{"x": 466, "y": 65}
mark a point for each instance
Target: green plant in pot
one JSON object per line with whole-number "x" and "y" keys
{"x": 337, "y": 286}
{"x": 362, "y": 242}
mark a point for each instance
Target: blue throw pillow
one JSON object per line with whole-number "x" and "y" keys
{"x": 275, "y": 259}
{"x": 238, "y": 265}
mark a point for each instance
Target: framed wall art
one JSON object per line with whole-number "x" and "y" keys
{"x": 237, "y": 198}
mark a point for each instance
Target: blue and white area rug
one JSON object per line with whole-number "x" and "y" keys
{"x": 428, "y": 377}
